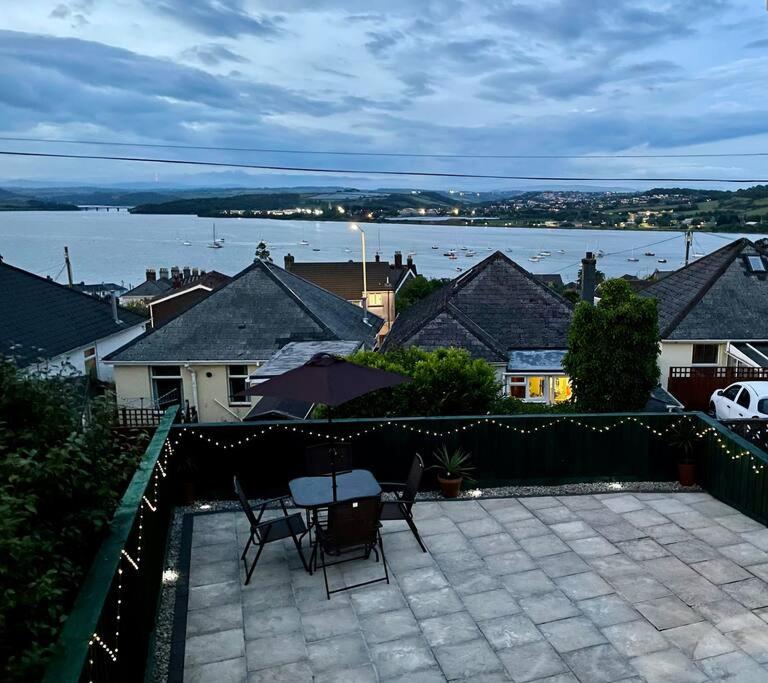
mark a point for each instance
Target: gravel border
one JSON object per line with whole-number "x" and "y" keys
{"x": 161, "y": 643}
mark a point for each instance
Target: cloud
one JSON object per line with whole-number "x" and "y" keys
{"x": 218, "y": 17}
{"x": 758, "y": 43}
{"x": 380, "y": 42}
{"x": 212, "y": 54}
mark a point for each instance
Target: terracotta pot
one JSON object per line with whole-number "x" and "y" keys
{"x": 686, "y": 473}
{"x": 449, "y": 487}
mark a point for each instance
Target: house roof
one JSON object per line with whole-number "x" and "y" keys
{"x": 295, "y": 354}
{"x": 715, "y": 297}
{"x": 490, "y": 309}
{"x": 150, "y": 288}
{"x": 250, "y": 318}
{"x": 550, "y": 279}
{"x": 345, "y": 278}
{"x": 40, "y": 318}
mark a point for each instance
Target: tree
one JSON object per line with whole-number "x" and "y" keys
{"x": 444, "y": 382}
{"x": 599, "y": 278}
{"x": 613, "y": 350}
{"x": 415, "y": 289}
{"x": 262, "y": 253}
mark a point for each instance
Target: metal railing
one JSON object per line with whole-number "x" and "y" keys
{"x": 754, "y": 431}
{"x": 106, "y": 634}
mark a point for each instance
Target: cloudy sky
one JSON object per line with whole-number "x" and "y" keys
{"x": 418, "y": 76}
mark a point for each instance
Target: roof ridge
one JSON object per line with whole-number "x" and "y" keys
{"x": 475, "y": 329}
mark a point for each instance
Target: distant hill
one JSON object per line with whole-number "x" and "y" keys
{"x": 13, "y": 201}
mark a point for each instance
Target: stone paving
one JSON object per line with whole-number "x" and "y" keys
{"x": 610, "y": 587}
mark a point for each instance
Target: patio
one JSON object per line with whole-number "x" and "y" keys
{"x": 605, "y": 587}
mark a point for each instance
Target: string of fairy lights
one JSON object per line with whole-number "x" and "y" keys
{"x": 131, "y": 561}
{"x": 757, "y": 465}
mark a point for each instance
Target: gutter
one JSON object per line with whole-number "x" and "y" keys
{"x": 193, "y": 375}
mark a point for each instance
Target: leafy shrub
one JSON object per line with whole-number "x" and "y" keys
{"x": 59, "y": 485}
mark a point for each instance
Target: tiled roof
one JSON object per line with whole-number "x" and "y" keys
{"x": 492, "y": 308}
{"x": 345, "y": 278}
{"x": 42, "y": 319}
{"x": 150, "y": 288}
{"x": 210, "y": 280}
{"x": 250, "y": 318}
{"x": 715, "y": 297}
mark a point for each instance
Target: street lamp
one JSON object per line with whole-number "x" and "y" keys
{"x": 354, "y": 226}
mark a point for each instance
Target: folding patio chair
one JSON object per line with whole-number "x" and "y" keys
{"x": 270, "y": 530}
{"x": 353, "y": 527}
{"x": 406, "y": 495}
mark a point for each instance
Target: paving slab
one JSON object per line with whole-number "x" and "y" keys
{"x": 721, "y": 570}
{"x": 751, "y": 593}
{"x": 532, "y": 662}
{"x": 635, "y": 638}
{"x": 548, "y": 607}
{"x": 667, "y": 612}
{"x": 227, "y": 671}
{"x": 599, "y": 664}
{"x": 563, "y": 564}
{"x": 699, "y": 641}
{"x": 386, "y": 626}
{"x": 583, "y": 586}
{"x": 571, "y": 634}
{"x": 608, "y": 610}
{"x": 510, "y": 631}
{"x": 670, "y": 665}
{"x": 340, "y": 653}
{"x": 490, "y": 604}
{"x": 449, "y": 629}
{"x": 402, "y": 657}
{"x": 467, "y": 660}
{"x": 735, "y": 666}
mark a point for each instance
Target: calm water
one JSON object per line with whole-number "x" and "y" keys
{"x": 118, "y": 246}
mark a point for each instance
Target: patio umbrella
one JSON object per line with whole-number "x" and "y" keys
{"x": 329, "y": 380}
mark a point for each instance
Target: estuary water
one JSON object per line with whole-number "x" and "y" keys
{"x": 117, "y": 246}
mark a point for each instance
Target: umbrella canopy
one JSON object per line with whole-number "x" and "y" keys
{"x": 328, "y": 380}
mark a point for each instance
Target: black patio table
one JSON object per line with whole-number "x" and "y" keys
{"x": 317, "y": 492}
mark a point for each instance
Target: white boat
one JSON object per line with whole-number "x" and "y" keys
{"x": 661, "y": 260}
{"x": 469, "y": 254}
{"x": 458, "y": 269}
{"x": 545, "y": 253}
{"x": 216, "y": 244}
{"x": 187, "y": 243}
{"x": 535, "y": 259}
{"x": 561, "y": 251}
{"x": 434, "y": 246}
{"x": 600, "y": 253}
{"x": 304, "y": 242}
{"x": 464, "y": 248}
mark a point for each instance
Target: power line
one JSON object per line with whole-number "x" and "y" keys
{"x": 419, "y": 155}
{"x": 433, "y": 174}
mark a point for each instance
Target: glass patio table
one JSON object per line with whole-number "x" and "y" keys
{"x": 317, "y": 492}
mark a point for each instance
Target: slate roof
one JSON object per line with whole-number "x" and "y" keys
{"x": 490, "y": 309}
{"x": 550, "y": 279}
{"x": 40, "y": 318}
{"x": 212, "y": 279}
{"x": 295, "y": 354}
{"x": 150, "y": 288}
{"x": 250, "y": 318}
{"x": 715, "y": 297}
{"x": 345, "y": 278}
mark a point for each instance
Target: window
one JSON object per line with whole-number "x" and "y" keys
{"x": 89, "y": 361}
{"x": 730, "y": 392}
{"x": 762, "y": 406}
{"x": 537, "y": 389}
{"x": 705, "y": 354}
{"x": 743, "y": 399}
{"x": 237, "y": 379}
{"x": 756, "y": 264}
{"x": 516, "y": 387}
{"x": 561, "y": 389}
{"x": 167, "y": 385}
{"x": 375, "y": 299}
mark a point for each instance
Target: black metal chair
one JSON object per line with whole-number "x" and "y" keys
{"x": 353, "y": 527}
{"x": 261, "y": 533}
{"x": 401, "y": 509}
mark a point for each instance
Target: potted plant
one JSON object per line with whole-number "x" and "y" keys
{"x": 683, "y": 438}
{"x": 453, "y": 468}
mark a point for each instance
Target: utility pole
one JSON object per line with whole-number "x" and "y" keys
{"x": 68, "y": 263}
{"x": 688, "y": 242}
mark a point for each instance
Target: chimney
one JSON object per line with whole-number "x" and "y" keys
{"x": 151, "y": 276}
{"x": 398, "y": 259}
{"x": 289, "y": 261}
{"x": 409, "y": 261}
{"x": 187, "y": 272}
{"x": 175, "y": 271}
{"x": 588, "y": 276}
{"x": 113, "y": 302}
{"x": 195, "y": 272}
{"x": 377, "y": 258}
{"x": 163, "y": 274}
{"x": 176, "y": 280}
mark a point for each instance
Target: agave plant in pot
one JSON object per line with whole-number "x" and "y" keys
{"x": 683, "y": 438}
{"x": 453, "y": 467}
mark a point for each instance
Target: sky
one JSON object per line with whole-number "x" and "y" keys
{"x": 524, "y": 77}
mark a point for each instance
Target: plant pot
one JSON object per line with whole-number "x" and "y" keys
{"x": 450, "y": 487}
{"x": 686, "y": 473}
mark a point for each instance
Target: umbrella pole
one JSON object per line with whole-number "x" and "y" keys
{"x": 333, "y": 457}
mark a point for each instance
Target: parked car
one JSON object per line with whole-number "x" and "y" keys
{"x": 739, "y": 401}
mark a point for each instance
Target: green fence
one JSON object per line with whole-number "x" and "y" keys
{"x": 106, "y": 634}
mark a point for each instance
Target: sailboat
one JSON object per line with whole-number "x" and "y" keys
{"x": 633, "y": 258}
{"x": 215, "y": 244}
{"x": 187, "y": 243}
{"x": 303, "y": 241}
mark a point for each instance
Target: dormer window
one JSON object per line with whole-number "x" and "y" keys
{"x": 756, "y": 264}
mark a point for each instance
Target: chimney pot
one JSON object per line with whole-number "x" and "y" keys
{"x": 377, "y": 258}
{"x": 398, "y": 259}
{"x": 195, "y": 272}
{"x": 163, "y": 274}
{"x": 289, "y": 260}
{"x": 113, "y": 303}
{"x": 588, "y": 277}
{"x": 409, "y": 261}
{"x": 175, "y": 270}
{"x": 151, "y": 275}
{"x": 187, "y": 272}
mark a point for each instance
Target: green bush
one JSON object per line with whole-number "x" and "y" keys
{"x": 444, "y": 382}
{"x": 59, "y": 485}
{"x": 415, "y": 289}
